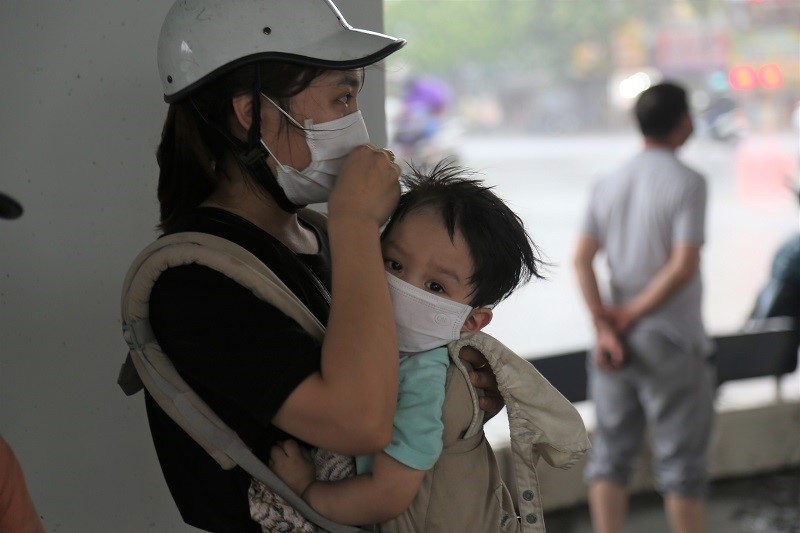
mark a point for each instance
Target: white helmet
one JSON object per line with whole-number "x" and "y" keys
{"x": 204, "y": 38}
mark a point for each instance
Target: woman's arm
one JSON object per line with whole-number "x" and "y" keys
{"x": 348, "y": 407}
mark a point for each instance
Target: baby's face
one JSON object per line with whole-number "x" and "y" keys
{"x": 419, "y": 251}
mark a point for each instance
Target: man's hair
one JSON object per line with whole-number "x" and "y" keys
{"x": 503, "y": 253}
{"x": 659, "y": 109}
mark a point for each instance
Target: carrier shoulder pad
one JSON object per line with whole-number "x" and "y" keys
{"x": 145, "y": 357}
{"x": 156, "y": 372}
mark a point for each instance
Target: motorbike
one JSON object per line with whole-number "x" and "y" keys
{"x": 422, "y": 129}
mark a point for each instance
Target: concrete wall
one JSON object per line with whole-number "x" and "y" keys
{"x": 80, "y": 119}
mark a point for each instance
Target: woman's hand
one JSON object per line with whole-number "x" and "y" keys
{"x": 293, "y": 465}
{"x": 367, "y": 186}
{"x": 483, "y": 378}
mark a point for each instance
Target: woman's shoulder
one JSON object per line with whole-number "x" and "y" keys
{"x": 238, "y": 230}
{"x": 220, "y": 223}
{"x": 294, "y": 270}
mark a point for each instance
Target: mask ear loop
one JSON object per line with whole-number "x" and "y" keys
{"x": 283, "y": 112}
{"x": 255, "y": 158}
{"x": 288, "y": 117}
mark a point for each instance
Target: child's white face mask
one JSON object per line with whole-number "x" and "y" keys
{"x": 424, "y": 320}
{"x": 329, "y": 143}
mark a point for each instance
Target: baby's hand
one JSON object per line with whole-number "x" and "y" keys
{"x": 293, "y": 465}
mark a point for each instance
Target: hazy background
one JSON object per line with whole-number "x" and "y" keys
{"x": 536, "y": 97}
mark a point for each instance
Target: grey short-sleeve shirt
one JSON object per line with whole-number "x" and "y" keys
{"x": 638, "y": 214}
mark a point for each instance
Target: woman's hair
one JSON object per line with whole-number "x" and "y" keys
{"x": 192, "y": 144}
{"x": 660, "y": 108}
{"x": 503, "y": 253}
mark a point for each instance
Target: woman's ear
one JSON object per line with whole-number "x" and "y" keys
{"x": 243, "y": 110}
{"x": 478, "y": 319}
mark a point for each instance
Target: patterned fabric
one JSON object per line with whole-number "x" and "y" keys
{"x": 275, "y": 515}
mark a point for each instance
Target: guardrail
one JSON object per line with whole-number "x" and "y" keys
{"x": 764, "y": 347}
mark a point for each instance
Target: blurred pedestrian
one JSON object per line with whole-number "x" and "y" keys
{"x": 650, "y": 365}
{"x": 421, "y": 121}
{"x": 780, "y": 296}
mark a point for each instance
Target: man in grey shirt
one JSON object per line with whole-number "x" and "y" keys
{"x": 650, "y": 364}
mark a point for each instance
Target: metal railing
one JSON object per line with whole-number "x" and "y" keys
{"x": 764, "y": 347}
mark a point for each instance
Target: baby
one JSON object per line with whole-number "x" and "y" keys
{"x": 452, "y": 250}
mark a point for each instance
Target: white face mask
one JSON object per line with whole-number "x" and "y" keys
{"x": 330, "y": 143}
{"x": 424, "y": 320}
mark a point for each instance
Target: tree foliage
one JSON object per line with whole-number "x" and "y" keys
{"x": 535, "y": 35}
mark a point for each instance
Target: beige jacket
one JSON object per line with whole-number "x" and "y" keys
{"x": 464, "y": 491}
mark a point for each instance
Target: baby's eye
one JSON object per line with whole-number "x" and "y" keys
{"x": 433, "y": 286}
{"x": 393, "y": 265}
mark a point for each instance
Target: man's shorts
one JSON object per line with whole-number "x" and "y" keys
{"x": 666, "y": 389}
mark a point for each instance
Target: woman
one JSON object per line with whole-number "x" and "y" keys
{"x": 263, "y": 114}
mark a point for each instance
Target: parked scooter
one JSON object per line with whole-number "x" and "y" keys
{"x": 724, "y": 120}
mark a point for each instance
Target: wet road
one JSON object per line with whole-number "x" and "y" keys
{"x": 768, "y": 503}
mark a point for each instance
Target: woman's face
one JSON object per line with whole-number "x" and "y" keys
{"x": 330, "y": 96}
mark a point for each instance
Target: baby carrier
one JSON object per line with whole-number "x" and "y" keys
{"x": 555, "y": 431}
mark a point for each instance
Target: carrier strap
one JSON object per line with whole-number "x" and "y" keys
{"x": 147, "y": 366}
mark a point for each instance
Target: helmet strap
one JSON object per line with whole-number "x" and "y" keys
{"x": 252, "y": 155}
{"x": 254, "y": 158}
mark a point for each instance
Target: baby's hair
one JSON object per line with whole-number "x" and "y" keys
{"x": 503, "y": 253}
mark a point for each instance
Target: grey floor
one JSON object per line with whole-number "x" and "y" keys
{"x": 768, "y": 503}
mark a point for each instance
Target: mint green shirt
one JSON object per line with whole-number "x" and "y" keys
{"x": 417, "y": 434}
